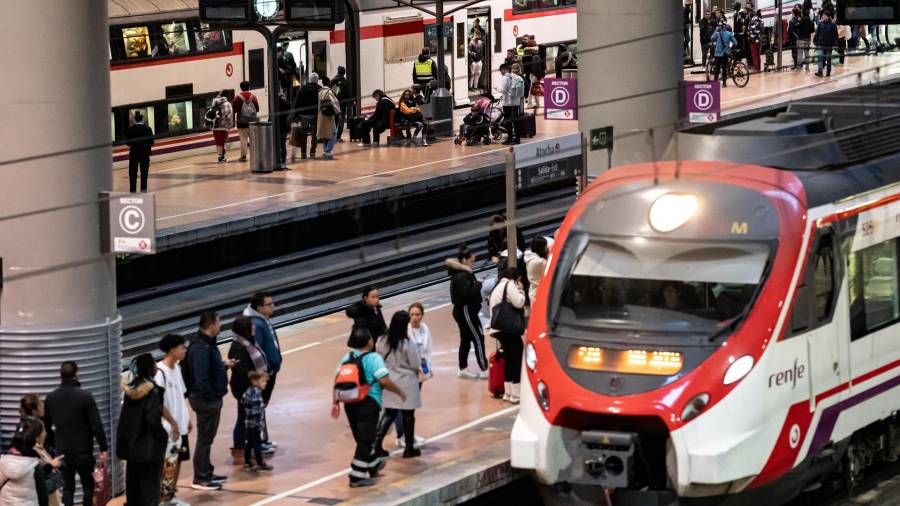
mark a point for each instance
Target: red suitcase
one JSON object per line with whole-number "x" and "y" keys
{"x": 496, "y": 376}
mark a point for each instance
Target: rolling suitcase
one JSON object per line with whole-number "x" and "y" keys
{"x": 527, "y": 125}
{"x": 496, "y": 376}
{"x": 354, "y": 124}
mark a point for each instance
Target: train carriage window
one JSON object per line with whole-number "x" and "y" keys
{"x": 824, "y": 279}
{"x": 874, "y": 287}
{"x": 257, "y": 68}
{"x": 817, "y": 292}
{"x": 135, "y": 41}
{"x": 173, "y": 40}
{"x": 431, "y": 37}
{"x": 209, "y": 40}
{"x": 521, "y": 6}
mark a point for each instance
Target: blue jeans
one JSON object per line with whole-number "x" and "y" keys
{"x": 825, "y": 59}
{"x": 329, "y": 144}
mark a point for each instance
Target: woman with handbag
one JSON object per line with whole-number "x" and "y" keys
{"x": 507, "y": 326}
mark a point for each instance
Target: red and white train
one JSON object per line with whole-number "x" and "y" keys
{"x": 723, "y": 332}
{"x": 169, "y": 65}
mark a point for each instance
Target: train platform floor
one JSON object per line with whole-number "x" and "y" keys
{"x": 197, "y": 197}
{"x": 466, "y": 430}
{"x": 772, "y": 88}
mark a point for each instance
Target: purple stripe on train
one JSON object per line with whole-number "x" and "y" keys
{"x": 830, "y": 415}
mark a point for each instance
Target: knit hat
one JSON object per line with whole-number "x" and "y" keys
{"x": 341, "y": 70}
{"x": 314, "y": 78}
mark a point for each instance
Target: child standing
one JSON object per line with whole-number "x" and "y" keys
{"x": 254, "y": 421}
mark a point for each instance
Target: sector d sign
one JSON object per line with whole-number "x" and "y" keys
{"x": 702, "y": 101}
{"x": 561, "y": 99}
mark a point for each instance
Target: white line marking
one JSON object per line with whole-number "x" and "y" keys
{"x": 301, "y": 348}
{"x": 359, "y": 178}
{"x": 345, "y": 472}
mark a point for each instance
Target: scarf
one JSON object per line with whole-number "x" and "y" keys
{"x": 259, "y": 360}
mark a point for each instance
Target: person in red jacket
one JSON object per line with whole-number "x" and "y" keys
{"x": 245, "y": 108}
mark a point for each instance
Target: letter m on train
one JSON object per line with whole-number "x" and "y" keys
{"x": 740, "y": 228}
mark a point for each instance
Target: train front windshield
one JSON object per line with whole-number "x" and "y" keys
{"x": 657, "y": 285}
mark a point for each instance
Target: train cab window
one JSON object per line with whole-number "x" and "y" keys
{"x": 874, "y": 288}
{"x": 824, "y": 279}
{"x": 659, "y": 286}
{"x": 817, "y": 291}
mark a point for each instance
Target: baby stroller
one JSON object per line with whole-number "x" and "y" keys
{"x": 476, "y": 125}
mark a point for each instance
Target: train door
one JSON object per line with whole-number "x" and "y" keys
{"x": 814, "y": 316}
{"x": 297, "y": 51}
{"x": 320, "y": 57}
{"x": 478, "y": 50}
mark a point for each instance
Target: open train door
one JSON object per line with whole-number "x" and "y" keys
{"x": 478, "y": 50}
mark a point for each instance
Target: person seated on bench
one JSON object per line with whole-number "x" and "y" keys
{"x": 379, "y": 121}
{"x": 410, "y": 115}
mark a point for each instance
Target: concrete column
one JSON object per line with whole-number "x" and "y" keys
{"x": 59, "y": 296}
{"x": 629, "y": 65}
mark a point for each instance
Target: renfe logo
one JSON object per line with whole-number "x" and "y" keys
{"x": 542, "y": 151}
{"x": 789, "y": 376}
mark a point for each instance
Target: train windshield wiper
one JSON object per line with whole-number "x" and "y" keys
{"x": 729, "y": 326}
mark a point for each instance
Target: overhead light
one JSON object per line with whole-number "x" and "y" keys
{"x": 672, "y": 210}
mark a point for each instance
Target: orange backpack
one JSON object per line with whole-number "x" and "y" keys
{"x": 350, "y": 385}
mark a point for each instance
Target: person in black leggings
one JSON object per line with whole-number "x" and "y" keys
{"x": 510, "y": 289}
{"x": 465, "y": 294}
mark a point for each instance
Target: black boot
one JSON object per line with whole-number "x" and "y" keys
{"x": 409, "y": 432}
{"x": 381, "y": 430}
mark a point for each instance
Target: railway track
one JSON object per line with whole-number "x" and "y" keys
{"x": 326, "y": 279}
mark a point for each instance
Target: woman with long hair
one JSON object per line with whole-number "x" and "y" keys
{"x": 248, "y": 357}
{"x": 509, "y": 289}
{"x": 402, "y": 360}
{"x": 465, "y": 295}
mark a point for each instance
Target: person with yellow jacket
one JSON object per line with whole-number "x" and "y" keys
{"x": 425, "y": 72}
{"x": 411, "y": 116}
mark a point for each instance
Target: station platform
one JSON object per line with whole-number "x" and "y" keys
{"x": 467, "y": 432}
{"x": 199, "y": 199}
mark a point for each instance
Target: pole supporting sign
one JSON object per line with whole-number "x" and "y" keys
{"x": 129, "y": 223}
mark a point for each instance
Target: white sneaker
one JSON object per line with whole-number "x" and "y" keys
{"x": 483, "y": 375}
{"x": 507, "y": 389}
{"x": 401, "y": 442}
{"x": 516, "y": 390}
{"x": 467, "y": 374}
{"x": 363, "y": 145}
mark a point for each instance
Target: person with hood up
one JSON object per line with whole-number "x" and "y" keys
{"x": 141, "y": 437}
{"x": 307, "y": 106}
{"x": 329, "y": 112}
{"x": 366, "y": 313}
{"x": 465, "y": 295}
{"x": 424, "y": 72}
{"x": 219, "y": 117}
{"x": 21, "y": 473}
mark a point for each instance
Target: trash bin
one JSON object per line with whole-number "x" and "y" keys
{"x": 262, "y": 154}
{"x": 442, "y": 112}
{"x": 570, "y": 74}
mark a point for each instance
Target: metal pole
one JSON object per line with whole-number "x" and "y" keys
{"x": 439, "y": 15}
{"x": 274, "y": 85}
{"x": 779, "y": 36}
{"x": 581, "y": 183}
{"x": 511, "y": 246}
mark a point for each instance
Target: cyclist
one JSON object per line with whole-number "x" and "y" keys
{"x": 724, "y": 41}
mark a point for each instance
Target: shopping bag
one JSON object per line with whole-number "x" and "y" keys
{"x": 102, "y": 484}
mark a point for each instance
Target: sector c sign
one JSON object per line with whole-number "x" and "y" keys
{"x": 129, "y": 223}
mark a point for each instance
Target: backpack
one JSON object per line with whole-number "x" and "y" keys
{"x": 326, "y": 107}
{"x": 248, "y": 110}
{"x": 212, "y": 114}
{"x": 350, "y": 384}
{"x": 516, "y": 86}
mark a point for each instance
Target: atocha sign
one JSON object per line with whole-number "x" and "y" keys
{"x": 547, "y": 161}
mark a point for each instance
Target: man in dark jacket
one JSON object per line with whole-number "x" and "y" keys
{"x": 826, "y": 38}
{"x": 208, "y": 383}
{"x": 366, "y": 313}
{"x": 379, "y": 121}
{"x": 341, "y": 87}
{"x": 707, "y": 27}
{"x": 465, "y": 295}
{"x": 139, "y": 138}
{"x": 306, "y": 107}
{"x": 72, "y": 421}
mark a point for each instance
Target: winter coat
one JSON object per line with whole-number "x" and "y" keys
{"x": 403, "y": 363}
{"x": 724, "y": 41}
{"x": 307, "y": 103}
{"x": 72, "y": 420}
{"x": 207, "y": 371}
{"x": 240, "y": 379}
{"x": 265, "y": 338}
{"x": 514, "y": 294}
{"x": 225, "y": 120}
{"x": 325, "y": 126}
{"x": 826, "y": 35}
{"x": 805, "y": 28}
{"x": 534, "y": 267}
{"x": 465, "y": 289}
{"x": 755, "y": 29}
{"x": 141, "y": 436}
{"x": 367, "y": 318}
{"x": 17, "y": 478}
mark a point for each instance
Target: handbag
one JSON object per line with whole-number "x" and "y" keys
{"x": 102, "y": 484}
{"x": 507, "y": 318}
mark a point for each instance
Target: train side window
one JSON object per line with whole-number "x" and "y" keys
{"x": 824, "y": 279}
{"x": 875, "y": 287}
{"x": 256, "y": 68}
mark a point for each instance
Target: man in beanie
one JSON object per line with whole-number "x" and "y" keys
{"x": 176, "y": 416}
{"x": 341, "y": 88}
{"x": 307, "y": 107}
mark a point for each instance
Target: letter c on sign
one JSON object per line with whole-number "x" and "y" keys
{"x": 229, "y": 69}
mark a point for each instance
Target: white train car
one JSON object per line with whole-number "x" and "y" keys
{"x": 169, "y": 64}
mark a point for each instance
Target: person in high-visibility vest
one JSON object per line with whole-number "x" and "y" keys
{"x": 424, "y": 72}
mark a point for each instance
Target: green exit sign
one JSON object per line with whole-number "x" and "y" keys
{"x": 601, "y": 138}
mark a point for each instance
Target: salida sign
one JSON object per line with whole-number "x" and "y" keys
{"x": 539, "y": 163}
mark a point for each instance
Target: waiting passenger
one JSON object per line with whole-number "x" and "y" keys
{"x": 31, "y": 407}
{"x": 141, "y": 438}
{"x": 247, "y": 107}
{"x": 220, "y": 118}
{"x": 509, "y": 289}
{"x": 366, "y": 313}
{"x": 402, "y": 360}
{"x": 425, "y": 72}
{"x": 176, "y": 412}
{"x": 329, "y": 112}
{"x": 363, "y": 415}
{"x": 379, "y": 121}
{"x": 420, "y": 334}
{"x": 411, "y": 115}
{"x": 465, "y": 295}
{"x": 512, "y": 88}
{"x": 260, "y": 311}
{"x": 307, "y": 107}
{"x": 341, "y": 88}
{"x": 253, "y": 411}
{"x": 248, "y": 357}
{"x": 21, "y": 473}
{"x": 139, "y": 138}
{"x": 724, "y": 43}
{"x": 535, "y": 264}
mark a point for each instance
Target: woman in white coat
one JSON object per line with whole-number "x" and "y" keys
{"x": 420, "y": 334}
{"x": 402, "y": 360}
{"x": 510, "y": 288}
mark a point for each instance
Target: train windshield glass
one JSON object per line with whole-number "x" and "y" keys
{"x": 662, "y": 286}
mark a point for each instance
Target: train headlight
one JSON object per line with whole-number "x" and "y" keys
{"x": 543, "y": 395}
{"x": 694, "y": 407}
{"x": 530, "y": 357}
{"x": 672, "y": 210}
{"x": 738, "y": 369}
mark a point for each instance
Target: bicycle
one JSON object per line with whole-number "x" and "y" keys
{"x": 736, "y": 69}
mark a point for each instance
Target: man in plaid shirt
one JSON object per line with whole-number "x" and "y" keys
{"x": 255, "y": 421}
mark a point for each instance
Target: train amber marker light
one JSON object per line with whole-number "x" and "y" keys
{"x": 657, "y": 362}
{"x": 672, "y": 210}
